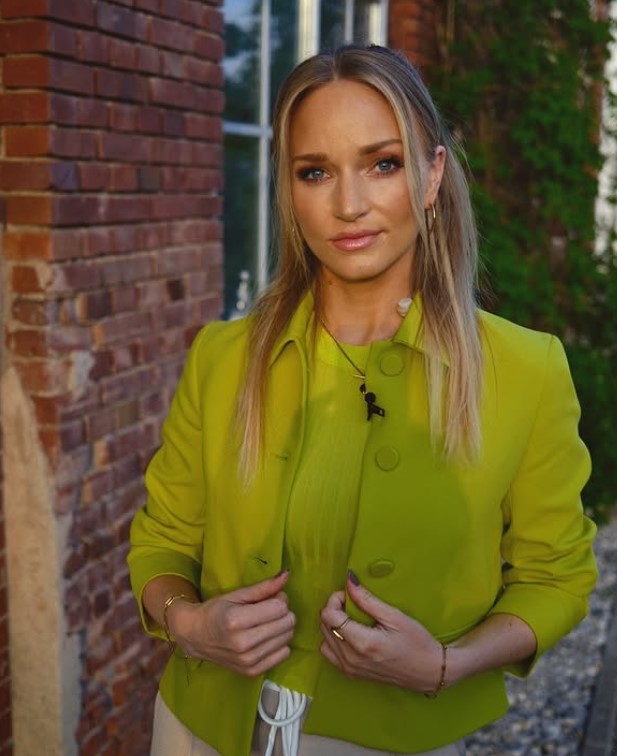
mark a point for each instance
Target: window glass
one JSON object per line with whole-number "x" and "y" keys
{"x": 284, "y": 43}
{"x": 241, "y": 63}
{"x": 240, "y": 212}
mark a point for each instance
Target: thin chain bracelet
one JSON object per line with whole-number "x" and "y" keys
{"x": 168, "y": 602}
{"x": 442, "y": 675}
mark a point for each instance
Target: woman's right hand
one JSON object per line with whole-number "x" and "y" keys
{"x": 247, "y": 631}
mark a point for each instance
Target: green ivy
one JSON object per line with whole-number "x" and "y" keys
{"x": 520, "y": 82}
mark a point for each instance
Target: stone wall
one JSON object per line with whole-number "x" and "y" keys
{"x": 110, "y": 170}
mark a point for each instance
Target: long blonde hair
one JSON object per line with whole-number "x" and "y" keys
{"x": 444, "y": 266}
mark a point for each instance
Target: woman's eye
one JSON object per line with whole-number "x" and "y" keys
{"x": 388, "y": 165}
{"x": 311, "y": 174}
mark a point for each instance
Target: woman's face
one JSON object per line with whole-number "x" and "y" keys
{"x": 349, "y": 189}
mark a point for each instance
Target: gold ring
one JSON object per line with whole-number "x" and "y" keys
{"x": 336, "y": 631}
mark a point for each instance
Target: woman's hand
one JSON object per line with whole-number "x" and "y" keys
{"x": 397, "y": 650}
{"x": 247, "y": 631}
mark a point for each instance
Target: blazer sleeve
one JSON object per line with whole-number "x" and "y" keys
{"x": 167, "y": 532}
{"x": 549, "y": 568}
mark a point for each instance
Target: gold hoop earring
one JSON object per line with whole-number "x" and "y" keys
{"x": 430, "y": 220}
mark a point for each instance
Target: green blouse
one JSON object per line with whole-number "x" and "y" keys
{"x": 322, "y": 508}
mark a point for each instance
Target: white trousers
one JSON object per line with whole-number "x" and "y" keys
{"x": 171, "y": 738}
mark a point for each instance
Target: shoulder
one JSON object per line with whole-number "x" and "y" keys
{"x": 219, "y": 343}
{"x": 513, "y": 347}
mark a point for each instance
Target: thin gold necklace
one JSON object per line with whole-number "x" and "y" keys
{"x": 372, "y": 408}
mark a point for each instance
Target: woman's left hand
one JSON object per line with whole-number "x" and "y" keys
{"x": 396, "y": 650}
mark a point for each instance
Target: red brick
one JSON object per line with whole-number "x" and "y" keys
{"x": 16, "y": 175}
{"x": 124, "y": 147}
{"x": 26, "y": 279}
{"x": 23, "y": 8}
{"x": 123, "y": 117}
{"x": 72, "y": 435}
{"x": 75, "y": 143}
{"x": 208, "y": 46}
{"x": 24, "y": 36}
{"x": 28, "y": 210}
{"x": 64, "y": 176}
{"x": 120, "y": 327}
{"x": 78, "y": 12}
{"x": 121, "y": 85}
{"x": 78, "y": 210}
{"x": 26, "y": 71}
{"x": 34, "y": 312}
{"x": 24, "y": 107}
{"x": 122, "y": 54}
{"x": 93, "y": 305}
{"x": 93, "y": 47}
{"x": 121, "y": 21}
{"x": 172, "y": 64}
{"x": 71, "y": 77}
{"x": 167, "y": 34}
{"x": 27, "y": 246}
{"x": 199, "y": 126}
{"x": 203, "y": 72}
{"x": 94, "y": 177}
{"x": 68, "y": 277}
{"x": 69, "y": 339}
{"x": 44, "y": 375}
{"x": 99, "y": 424}
{"x": 148, "y": 59}
{"x": 28, "y": 343}
{"x": 97, "y": 485}
{"x": 124, "y": 298}
{"x": 92, "y": 113}
{"x": 102, "y": 365}
{"x": 214, "y": 21}
{"x": 31, "y": 141}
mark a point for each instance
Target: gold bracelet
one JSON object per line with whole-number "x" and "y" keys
{"x": 168, "y": 602}
{"x": 442, "y": 675}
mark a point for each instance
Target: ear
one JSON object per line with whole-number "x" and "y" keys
{"x": 435, "y": 173}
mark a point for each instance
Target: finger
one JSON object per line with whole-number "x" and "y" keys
{"x": 244, "y": 616}
{"x": 336, "y": 601}
{"x": 384, "y": 614}
{"x": 252, "y": 594}
{"x": 267, "y": 663}
{"x": 262, "y": 634}
{"x": 253, "y": 657}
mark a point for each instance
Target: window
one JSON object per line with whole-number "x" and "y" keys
{"x": 264, "y": 40}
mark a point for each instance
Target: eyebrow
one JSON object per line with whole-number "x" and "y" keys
{"x": 369, "y": 149}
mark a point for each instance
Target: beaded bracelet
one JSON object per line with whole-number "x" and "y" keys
{"x": 442, "y": 675}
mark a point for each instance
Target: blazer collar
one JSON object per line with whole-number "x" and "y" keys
{"x": 410, "y": 333}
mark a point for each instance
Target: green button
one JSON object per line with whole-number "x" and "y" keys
{"x": 387, "y": 458}
{"x": 391, "y": 363}
{"x": 381, "y": 568}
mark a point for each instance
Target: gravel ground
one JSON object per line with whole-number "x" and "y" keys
{"x": 548, "y": 711}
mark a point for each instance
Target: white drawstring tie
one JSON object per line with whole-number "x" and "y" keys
{"x": 291, "y": 706}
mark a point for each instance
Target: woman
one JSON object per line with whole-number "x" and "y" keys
{"x": 366, "y": 505}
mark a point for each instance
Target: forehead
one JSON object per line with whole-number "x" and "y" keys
{"x": 342, "y": 112}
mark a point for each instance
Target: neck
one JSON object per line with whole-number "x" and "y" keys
{"x": 360, "y": 313}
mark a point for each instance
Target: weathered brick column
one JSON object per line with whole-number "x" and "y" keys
{"x": 110, "y": 171}
{"x": 411, "y": 28}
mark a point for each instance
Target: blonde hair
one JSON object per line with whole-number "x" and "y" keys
{"x": 444, "y": 267}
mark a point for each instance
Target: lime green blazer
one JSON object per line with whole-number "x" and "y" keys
{"x": 448, "y": 544}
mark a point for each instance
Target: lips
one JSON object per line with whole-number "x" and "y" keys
{"x": 348, "y": 242}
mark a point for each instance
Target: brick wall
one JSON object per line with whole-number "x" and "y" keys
{"x": 411, "y": 28}
{"x": 110, "y": 167}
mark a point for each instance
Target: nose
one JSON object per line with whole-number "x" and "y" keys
{"x": 350, "y": 199}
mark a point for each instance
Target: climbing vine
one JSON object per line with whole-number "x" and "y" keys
{"x": 522, "y": 85}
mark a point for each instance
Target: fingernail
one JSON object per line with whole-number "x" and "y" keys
{"x": 282, "y": 572}
{"x": 353, "y": 577}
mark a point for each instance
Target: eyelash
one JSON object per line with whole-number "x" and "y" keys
{"x": 307, "y": 174}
